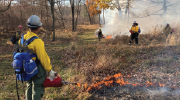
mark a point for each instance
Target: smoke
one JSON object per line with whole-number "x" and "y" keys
{"x": 158, "y": 91}
{"x": 116, "y": 26}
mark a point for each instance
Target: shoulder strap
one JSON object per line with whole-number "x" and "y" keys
{"x": 22, "y": 39}
{"x": 27, "y": 42}
{"x": 24, "y": 44}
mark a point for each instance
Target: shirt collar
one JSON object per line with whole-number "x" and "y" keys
{"x": 31, "y": 33}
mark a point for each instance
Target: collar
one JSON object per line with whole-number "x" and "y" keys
{"x": 31, "y": 33}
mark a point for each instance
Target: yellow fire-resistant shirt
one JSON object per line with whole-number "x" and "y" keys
{"x": 135, "y": 29}
{"x": 37, "y": 46}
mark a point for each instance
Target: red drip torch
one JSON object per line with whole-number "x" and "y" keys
{"x": 57, "y": 82}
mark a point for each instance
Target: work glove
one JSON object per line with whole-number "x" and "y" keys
{"x": 52, "y": 75}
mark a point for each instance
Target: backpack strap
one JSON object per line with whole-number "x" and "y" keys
{"x": 27, "y": 42}
{"x": 22, "y": 39}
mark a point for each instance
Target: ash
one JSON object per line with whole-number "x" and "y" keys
{"x": 130, "y": 92}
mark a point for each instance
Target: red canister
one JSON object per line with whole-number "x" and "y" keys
{"x": 57, "y": 82}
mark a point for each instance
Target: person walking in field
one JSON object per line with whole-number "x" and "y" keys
{"x": 167, "y": 30}
{"x": 135, "y": 30}
{"x": 35, "y": 89}
{"x": 100, "y": 35}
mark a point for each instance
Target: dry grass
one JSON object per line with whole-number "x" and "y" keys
{"x": 80, "y": 57}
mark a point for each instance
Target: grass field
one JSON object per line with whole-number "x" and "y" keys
{"x": 80, "y": 57}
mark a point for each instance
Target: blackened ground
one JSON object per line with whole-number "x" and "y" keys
{"x": 130, "y": 92}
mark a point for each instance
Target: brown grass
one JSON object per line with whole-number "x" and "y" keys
{"x": 80, "y": 57}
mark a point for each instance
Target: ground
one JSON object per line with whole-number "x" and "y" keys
{"x": 80, "y": 57}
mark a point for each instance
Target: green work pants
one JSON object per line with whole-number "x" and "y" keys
{"x": 35, "y": 89}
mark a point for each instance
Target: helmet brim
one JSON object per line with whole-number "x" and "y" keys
{"x": 34, "y": 26}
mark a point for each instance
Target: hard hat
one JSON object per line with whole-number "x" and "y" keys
{"x": 19, "y": 26}
{"x": 134, "y": 21}
{"x": 100, "y": 28}
{"x": 167, "y": 22}
{"x": 34, "y": 21}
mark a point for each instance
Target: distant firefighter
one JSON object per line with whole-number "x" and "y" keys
{"x": 100, "y": 35}
{"x": 135, "y": 30}
{"x": 167, "y": 30}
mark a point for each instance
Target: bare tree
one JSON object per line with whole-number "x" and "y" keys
{"x": 52, "y": 12}
{"x": 164, "y": 9}
{"x": 7, "y": 7}
{"x": 72, "y": 8}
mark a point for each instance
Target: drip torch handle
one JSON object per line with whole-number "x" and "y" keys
{"x": 56, "y": 75}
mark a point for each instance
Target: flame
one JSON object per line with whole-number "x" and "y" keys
{"x": 109, "y": 37}
{"x": 78, "y": 85}
{"x": 118, "y": 79}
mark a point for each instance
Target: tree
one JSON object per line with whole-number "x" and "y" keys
{"x": 94, "y": 4}
{"x": 7, "y": 7}
{"x": 52, "y": 12}
{"x": 95, "y": 7}
{"x": 163, "y": 11}
{"x": 72, "y": 8}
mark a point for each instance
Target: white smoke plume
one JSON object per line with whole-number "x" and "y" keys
{"x": 115, "y": 26}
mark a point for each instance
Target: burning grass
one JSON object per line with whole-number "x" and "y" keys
{"x": 108, "y": 69}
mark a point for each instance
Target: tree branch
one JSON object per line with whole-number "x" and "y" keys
{"x": 6, "y": 8}
{"x": 154, "y": 13}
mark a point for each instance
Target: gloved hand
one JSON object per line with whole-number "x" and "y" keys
{"x": 162, "y": 32}
{"x": 52, "y": 75}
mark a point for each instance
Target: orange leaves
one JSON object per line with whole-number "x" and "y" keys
{"x": 103, "y": 6}
{"x": 95, "y": 6}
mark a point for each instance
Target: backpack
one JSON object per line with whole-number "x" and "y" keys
{"x": 139, "y": 30}
{"x": 25, "y": 68}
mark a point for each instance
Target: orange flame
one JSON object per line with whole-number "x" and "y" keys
{"x": 78, "y": 85}
{"x": 118, "y": 79}
{"x": 109, "y": 37}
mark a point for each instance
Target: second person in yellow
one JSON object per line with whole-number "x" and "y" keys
{"x": 134, "y": 33}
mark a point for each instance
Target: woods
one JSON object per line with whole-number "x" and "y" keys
{"x": 54, "y": 14}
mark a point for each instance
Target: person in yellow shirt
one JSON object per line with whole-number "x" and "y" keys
{"x": 134, "y": 33}
{"x": 35, "y": 89}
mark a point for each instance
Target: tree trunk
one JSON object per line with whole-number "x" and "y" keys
{"x": 78, "y": 13}
{"x": 99, "y": 19}
{"x": 52, "y": 12}
{"x": 164, "y": 11}
{"x": 72, "y": 8}
{"x": 88, "y": 15}
{"x": 119, "y": 9}
{"x": 126, "y": 11}
{"x": 103, "y": 17}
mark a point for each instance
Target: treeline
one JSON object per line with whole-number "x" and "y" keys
{"x": 21, "y": 10}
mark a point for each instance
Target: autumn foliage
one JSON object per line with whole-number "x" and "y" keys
{"x": 95, "y": 6}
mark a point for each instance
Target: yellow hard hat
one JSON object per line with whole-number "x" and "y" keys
{"x": 100, "y": 28}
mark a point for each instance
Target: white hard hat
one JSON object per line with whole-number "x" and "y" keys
{"x": 134, "y": 21}
{"x": 34, "y": 21}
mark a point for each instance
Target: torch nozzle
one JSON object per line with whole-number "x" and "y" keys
{"x": 71, "y": 83}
